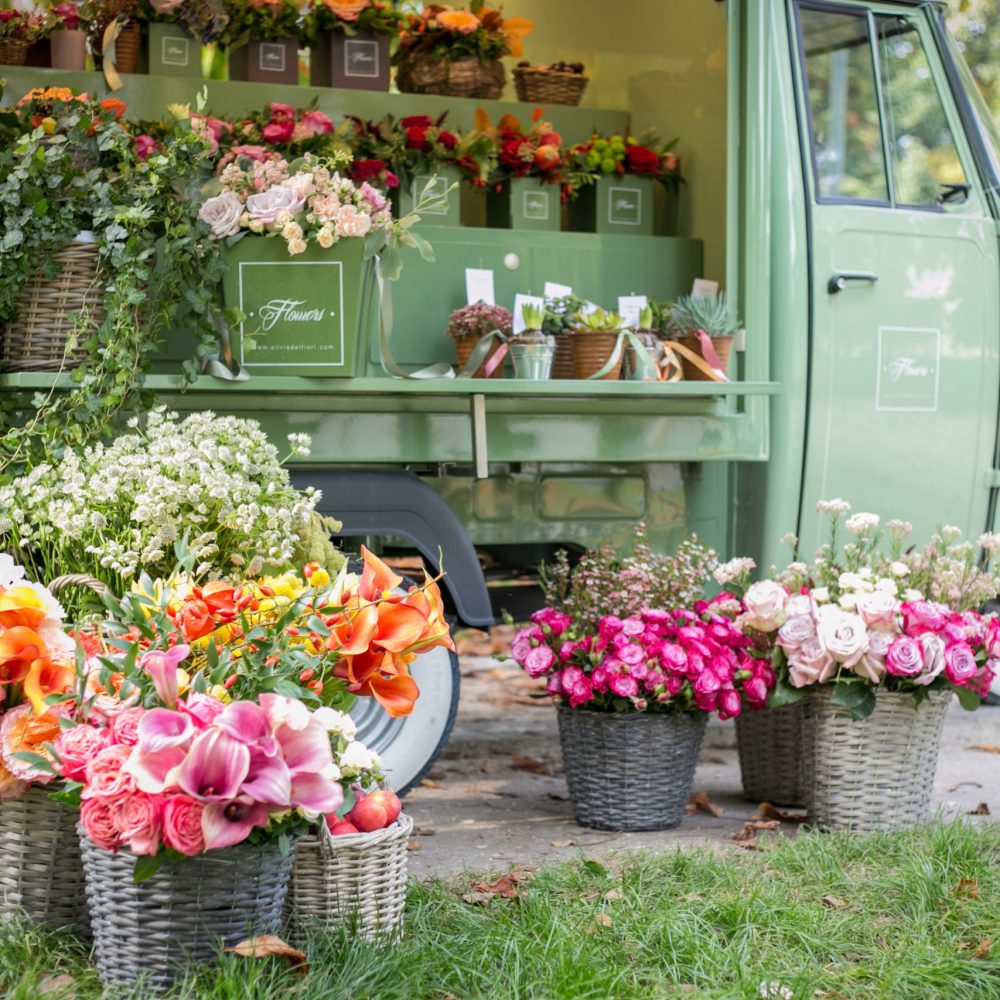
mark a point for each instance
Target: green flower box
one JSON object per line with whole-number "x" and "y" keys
{"x": 524, "y": 203}
{"x": 173, "y": 52}
{"x": 351, "y": 62}
{"x": 274, "y": 61}
{"x": 614, "y": 205}
{"x": 406, "y": 196}
{"x": 302, "y": 314}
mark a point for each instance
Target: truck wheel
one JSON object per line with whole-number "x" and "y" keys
{"x": 408, "y": 746}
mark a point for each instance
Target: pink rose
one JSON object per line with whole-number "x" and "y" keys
{"x": 104, "y": 775}
{"x": 539, "y": 661}
{"x": 97, "y": 823}
{"x": 871, "y": 666}
{"x": 124, "y": 726}
{"x": 764, "y": 604}
{"x": 182, "y": 825}
{"x": 268, "y": 205}
{"x": 137, "y": 819}
{"x": 729, "y": 704}
{"x": 923, "y": 616}
{"x": 877, "y": 609}
{"x": 796, "y": 631}
{"x": 277, "y": 132}
{"x": 842, "y": 634}
{"x": 960, "y": 663}
{"x": 811, "y": 663}
{"x": 623, "y": 685}
{"x": 281, "y": 112}
{"x": 76, "y": 747}
{"x": 315, "y": 123}
{"x": 905, "y": 657}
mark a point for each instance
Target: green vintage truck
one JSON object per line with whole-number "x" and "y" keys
{"x": 843, "y": 185}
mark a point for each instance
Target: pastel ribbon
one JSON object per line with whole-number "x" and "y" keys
{"x": 109, "y": 52}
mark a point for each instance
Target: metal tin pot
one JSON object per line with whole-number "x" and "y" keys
{"x": 533, "y": 361}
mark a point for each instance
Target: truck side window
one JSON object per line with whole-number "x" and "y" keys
{"x": 923, "y": 153}
{"x": 843, "y": 101}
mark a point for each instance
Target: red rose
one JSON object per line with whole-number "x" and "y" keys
{"x": 510, "y": 156}
{"x": 281, "y": 112}
{"x": 366, "y": 170}
{"x": 416, "y": 121}
{"x": 447, "y": 140}
{"x": 278, "y": 131}
{"x": 641, "y": 160}
{"x": 144, "y": 146}
{"x": 416, "y": 137}
{"x": 550, "y": 139}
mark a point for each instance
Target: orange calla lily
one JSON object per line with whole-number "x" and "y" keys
{"x": 353, "y": 634}
{"x": 21, "y": 606}
{"x": 428, "y": 601}
{"x": 19, "y": 647}
{"x": 45, "y": 678}
{"x": 376, "y": 578}
{"x": 380, "y": 676}
{"x": 399, "y": 627}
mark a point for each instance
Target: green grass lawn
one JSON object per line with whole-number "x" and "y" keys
{"x": 892, "y": 917}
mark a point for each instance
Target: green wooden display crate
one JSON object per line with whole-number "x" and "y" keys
{"x": 173, "y": 52}
{"x": 614, "y": 205}
{"x": 410, "y": 188}
{"x": 524, "y": 203}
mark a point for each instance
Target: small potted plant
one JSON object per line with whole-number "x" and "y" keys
{"x": 484, "y": 329}
{"x": 523, "y": 190}
{"x": 349, "y": 43}
{"x": 17, "y": 31}
{"x": 531, "y": 350}
{"x": 597, "y": 344}
{"x": 706, "y": 325}
{"x": 612, "y": 182}
{"x": 558, "y": 323}
{"x": 262, "y": 39}
{"x": 637, "y": 367}
{"x": 109, "y": 17}
{"x": 67, "y": 22}
{"x": 457, "y": 53}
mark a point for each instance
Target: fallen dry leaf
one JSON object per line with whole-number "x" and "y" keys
{"x": 599, "y": 920}
{"x": 505, "y": 886}
{"x": 959, "y": 784}
{"x": 563, "y": 843}
{"x": 270, "y": 946}
{"x": 424, "y": 831}
{"x": 50, "y": 984}
{"x": 413, "y": 845}
{"x": 984, "y": 747}
{"x": 479, "y": 898}
{"x": 766, "y": 811}
{"x": 982, "y": 949}
{"x": 834, "y": 902}
{"x": 747, "y": 835}
{"x": 523, "y": 763}
{"x": 982, "y": 809}
{"x": 968, "y": 887}
{"x": 612, "y": 895}
{"x": 429, "y": 783}
{"x": 701, "y": 803}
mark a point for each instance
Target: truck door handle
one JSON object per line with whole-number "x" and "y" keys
{"x": 839, "y": 281}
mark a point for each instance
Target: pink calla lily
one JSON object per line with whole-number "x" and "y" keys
{"x": 162, "y": 728}
{"x": 315, "y": 793}
{"x": 268, "y": 779}
{"x": 246, "y": 722}
{"x": 284, "y": 711}
{"x": 305, "y": 749}
{"x": 154, "y": 772}
{"x": 215, "y": 767}
{"x": 162, "y": 665}
{"x": 224, "y": 824}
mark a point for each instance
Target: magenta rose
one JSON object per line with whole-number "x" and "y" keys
{"x": 922, "y": 616}
{"x": 555, "y": 685}
{"x": 580, "y": 692}
{"x": 137, "y": 819}
{"x": 181, "y": 820}
{"x": 76, "y": 747}
{"x": 623, "y": 685}
{"x": 960, "y": 663}
{"x": 539, "y": 661}
{"x": 98, "y": 824}
{"x": 609, "y": 625}
{"x": 631, "y": 654}
{"x": 729, "y": 704}
{"x": 124, "y": 727}
{"x": 104, "y": 775}
{"x": 755, "y": 690}
{"x": 905, "y": 657}
{"x": 277, "y": 132}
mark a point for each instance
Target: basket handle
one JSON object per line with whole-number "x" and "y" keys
{"x": 78, "y": 580}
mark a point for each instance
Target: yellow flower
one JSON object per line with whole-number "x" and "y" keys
{"x": 219, "y": 693}
{"x": 180, "y": 111}
{"x": 49, "y": 126}
{"x": 319, "y": 578}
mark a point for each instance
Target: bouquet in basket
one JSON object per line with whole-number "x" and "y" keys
{"x": 863, "y": 617}
{"x": 479, "y": 32}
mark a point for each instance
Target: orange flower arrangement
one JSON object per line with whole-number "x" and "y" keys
{"x": 450, "y": 33}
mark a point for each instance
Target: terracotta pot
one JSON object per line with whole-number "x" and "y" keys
{"x": 69, "y": 49}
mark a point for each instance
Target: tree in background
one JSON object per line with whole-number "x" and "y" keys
{"x": 974, "y": 24}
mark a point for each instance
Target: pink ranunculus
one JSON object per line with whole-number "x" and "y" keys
{"x": 268, "y": 205}
{"x": 934, "y": 659}
{"x": 674, "y": 684}
{"x": 181, "y": 821}
{"x": 843, "y": 635}
{"x": 571, "y": 676}
{"x": 315, "y": 123}
{"x": 105, "y": 775}
{"x": 877, "y": 609}
{"x": 811, "y": 663}
{"x": 124, "y": 728}
{"x": 960, "y": 663}
{"x": 923, "y": 616}
{"x": 905, "y": 657}
{"x": 137, "y": 819}
{"x": 633, "y": 626}
{"x": 722, "y": 667}
{"x": 764, "y": 604}
{"x": 557, "y": 622}
{"x": 539, "y": 661}
{"x": 76, "y": 747}
{"x": 162, "y": 666}
{"x": 673, "y": 657}
{"x": 278, "y": 132}
{"x": 97, "y": 821}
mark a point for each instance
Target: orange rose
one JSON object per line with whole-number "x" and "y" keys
{"x": 462, "y": 21}
{"x": 25, "y": 732}
{"x": 347, "y": 10}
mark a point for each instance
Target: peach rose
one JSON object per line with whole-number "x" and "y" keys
{"x": 104, "y": 774}
{"x": 137, "y": 819}
{"x": 462, "y": 21}
{"x": 182, "y": 825}
{"x": 98, "y": 824}
{"x": 76, "y": 747}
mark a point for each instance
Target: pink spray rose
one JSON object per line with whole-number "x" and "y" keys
{"x": 124, "y": 729}
{"x": 137, "y": 819}
{"x": 98, "y": 824}
{"x": 76, "y": 747}
{"x": 104, "y": 774}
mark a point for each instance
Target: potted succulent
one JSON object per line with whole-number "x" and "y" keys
{"x": 531, "y": 350}
{"x": 262, "y": 40}
{"x": 636, "y": 660}
{"x": 457, "y": 52}
{"x": 706, "y": 325}
{"x": 67, "y": 34}
{"x": 597, "y": 344}
{"x": 482, "y": 329}
{"x": 612, "y": 183}
{"x": 349, "y": 42}
{"x": 638, "y": 368}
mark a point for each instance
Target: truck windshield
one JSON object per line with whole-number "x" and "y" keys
{"x": 987, "y": 124}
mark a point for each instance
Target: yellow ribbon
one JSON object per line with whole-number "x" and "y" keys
{"x": 109, "y": 53}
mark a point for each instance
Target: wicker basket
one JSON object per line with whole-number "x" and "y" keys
{"x": 470, "y": 77}
{"x": 591, "y": 350}
{"x": 13, "y": 51}
{"x": 562, "y": 360}
{"x": 872, "y": 774}
{"x": 128, "y": 46}
{"x": 183, "y": 913}
{"x": 358, "y": 880}
{"x": 36, "y": 339}
{"x": 464, "y": 347}
{"x": 770, "y": 746}
{"x": 541, "y": 85}
{"x": 40, "y": 870}
{"x": 722, "y": 346}
{"x": 629, "y": 771}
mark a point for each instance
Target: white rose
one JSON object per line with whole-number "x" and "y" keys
{"x": 359, "y": 757}
{"x": 848, "y": 601}
{"x": 325, "y": 238}
{"x": 292, "y": 231}
{"x": 296, "y": 247}
{"x": 877, "y": 608}
{"x": 849, "y": 581}
{"x": 336, "y": 722}
{"x": 820, "y": 595}
{"x": 222, "y": 213}
{"x": 765, "y": 605}
{"x": 842, "y": 634}
{"x": 887, "y": 586}
{"x": 271, "y": 206}
{"x": 899, "y": 569}
{"x": 798, "y": 604}
{"x": 934, "y": 661}
{"x": 912, "y": 595}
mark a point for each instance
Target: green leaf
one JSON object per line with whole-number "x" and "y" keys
{"x": 35, "y": 760}
{"x": 348, "y": 804}
{"x": 785, "y": 694}
{"x": 595, "y": 868}
{"x": 146, "y": 867}
{"x": 856, "y": 696}
{"x": 968, "y": 699}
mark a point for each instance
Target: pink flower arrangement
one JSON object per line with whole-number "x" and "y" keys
{"x": 652, "y": 660}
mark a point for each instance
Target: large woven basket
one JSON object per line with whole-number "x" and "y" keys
{"x": 562, "y": 360}
{"x": 40, "y": 870}
{"x": 872, "y": 774}
{"x": 357, "y": 880}
{"x": 541, "y": 85}
{"x": 770, "y": 747}
{"x": 470, "y": 77}
{"x": 13, "y": 51}
{"x": 35, "y": 340}
{"x": 181, "y": 915}
{"x": 629, "y": 771}
{"x": 722, "y": 346}
{"x": 591, "y": 351}
{"x": 464, "y": 347}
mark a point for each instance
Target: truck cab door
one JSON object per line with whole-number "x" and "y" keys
{"x": 905, "y": 284}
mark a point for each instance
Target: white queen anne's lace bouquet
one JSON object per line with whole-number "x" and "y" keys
{"x": 867, "y": 615}
{"x": 115, "y": 511}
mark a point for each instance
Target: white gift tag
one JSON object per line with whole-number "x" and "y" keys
{"x": 704, "y": 289}
{"x": 520, "y": 301}
{"x": 630, "y": 306}
{"x": 553, "y": 290}
{"x": 479, "y": 286}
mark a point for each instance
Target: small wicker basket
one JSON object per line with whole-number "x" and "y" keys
{"x": 591, "y": 351}
{"x": 40, "y": 870}
{"x": 541, "y": 85}
{"x": 470, "y": 77}
{"x": 875, "y": 773}
{"x": 562, "y": 360}
{"x": 629, "y": 771}
{"x": 464, "y": 347}
{"x": 35, "y": 340}
{"x": 358, "y": 880}
{"x": 722, "y": 347}
{"x": 13, "y": 51}
{"x": 181, "y": 915}
{"x": 770, "y": 747}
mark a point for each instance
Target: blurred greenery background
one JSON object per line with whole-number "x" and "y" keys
{"x": 976, "y": 26}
